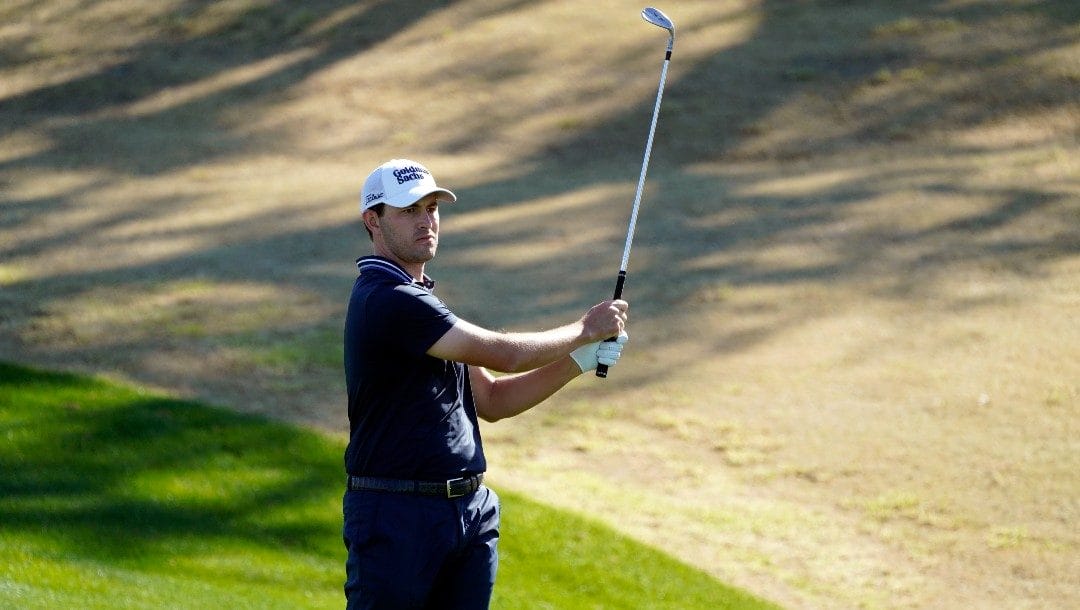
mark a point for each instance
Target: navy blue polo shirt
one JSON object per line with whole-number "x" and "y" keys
{"x": 411, "y": 416}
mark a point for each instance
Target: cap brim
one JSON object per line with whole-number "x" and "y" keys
{"x": 413, "y": 195}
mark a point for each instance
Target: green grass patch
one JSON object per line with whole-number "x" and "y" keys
{"x": 314, "y": 348}
{"x": 115, "y": 498}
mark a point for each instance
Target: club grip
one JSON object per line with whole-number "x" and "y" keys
{"x": 601, "y": 369}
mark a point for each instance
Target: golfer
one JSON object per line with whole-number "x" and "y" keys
{"x": 420, "y": 527}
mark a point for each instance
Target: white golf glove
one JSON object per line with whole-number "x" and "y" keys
{"x": 601, "y": 352}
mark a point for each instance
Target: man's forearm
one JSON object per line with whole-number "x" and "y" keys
{"x": 507, "y": 352}
{"x": 531, "y": 351}
{"x": 519, "y": 352}
{"x": 511, "y": 395}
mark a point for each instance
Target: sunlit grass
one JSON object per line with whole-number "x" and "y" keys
{"x": 117, "y": 498}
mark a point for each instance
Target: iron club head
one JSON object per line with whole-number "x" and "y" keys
{"x": 657, "y": 17}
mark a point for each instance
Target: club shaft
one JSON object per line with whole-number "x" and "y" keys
{"x": 644, "y": 169}
{"x": 601, "y": 370}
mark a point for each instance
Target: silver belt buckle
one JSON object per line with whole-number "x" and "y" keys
{"x": 450, "y": 483}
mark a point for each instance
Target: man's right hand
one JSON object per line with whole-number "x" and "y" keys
{"x": 605, "y": 320}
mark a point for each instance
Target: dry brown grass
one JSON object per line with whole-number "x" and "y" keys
{"x": 854, "y": 377}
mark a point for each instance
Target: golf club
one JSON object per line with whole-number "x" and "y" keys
{"x": 659, "y": 19}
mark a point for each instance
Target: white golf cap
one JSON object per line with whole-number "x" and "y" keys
{"x": 400, "y": 183}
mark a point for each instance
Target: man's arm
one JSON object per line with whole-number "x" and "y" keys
{"x": 501, "y": 397}
{"x": 517, "y": 352}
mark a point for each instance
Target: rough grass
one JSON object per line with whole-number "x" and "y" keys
{"x": 118, "y": 498}
{"x": 852, "y": 373}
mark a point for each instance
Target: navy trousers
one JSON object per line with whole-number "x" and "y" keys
{"x": 420, "y": 552}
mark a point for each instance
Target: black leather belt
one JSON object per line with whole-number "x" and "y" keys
{"x": 453, "y": 488}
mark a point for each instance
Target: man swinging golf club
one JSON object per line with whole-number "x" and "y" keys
{"x": 420, "y": 527}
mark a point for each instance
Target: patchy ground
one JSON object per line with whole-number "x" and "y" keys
{"x": 854, "y": 372}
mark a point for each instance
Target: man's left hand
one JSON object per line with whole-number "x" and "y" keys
{"x": 599, "y": 352}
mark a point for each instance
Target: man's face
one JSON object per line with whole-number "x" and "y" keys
{"x": 411, "y": 235}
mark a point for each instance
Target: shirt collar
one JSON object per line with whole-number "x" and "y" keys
{"x": 389, "y": 267}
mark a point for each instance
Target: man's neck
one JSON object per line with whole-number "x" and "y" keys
{"x": 416, "y": 270}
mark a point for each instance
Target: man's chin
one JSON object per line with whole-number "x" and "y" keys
{"x": 420, "y": 257}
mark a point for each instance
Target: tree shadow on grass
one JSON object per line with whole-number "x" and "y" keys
{"x": 722, "y": 110}
{"x": 200, "y": 43}
{"x": 110, "y": 475}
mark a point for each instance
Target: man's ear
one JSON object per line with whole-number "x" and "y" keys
{"x": 371, "y": 220}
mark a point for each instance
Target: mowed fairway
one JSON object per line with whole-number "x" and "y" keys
{"x": 119, "y": 498}
{"x": 853, "y": 378}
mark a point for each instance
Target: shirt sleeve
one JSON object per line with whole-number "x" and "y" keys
{"x": 414, "y": 319}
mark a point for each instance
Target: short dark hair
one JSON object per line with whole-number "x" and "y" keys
{"x": 378, "y": 208}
